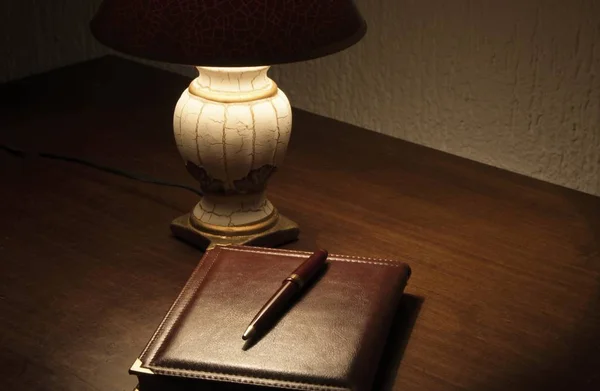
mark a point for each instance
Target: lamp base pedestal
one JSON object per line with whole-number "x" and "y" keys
{"x": 283, "y": 231}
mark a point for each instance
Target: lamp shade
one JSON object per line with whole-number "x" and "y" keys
{"x": 228, "y": 32}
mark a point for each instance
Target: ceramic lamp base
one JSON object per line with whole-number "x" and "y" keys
{"x": 283, "y": 231}
{"x": 232, "y": 127}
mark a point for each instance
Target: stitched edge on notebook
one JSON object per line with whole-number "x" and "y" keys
{"x": 244, "y": 379}
{"x": 334, "y": 257}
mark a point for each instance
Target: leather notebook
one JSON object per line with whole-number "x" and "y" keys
{"x": 331, "y": 339}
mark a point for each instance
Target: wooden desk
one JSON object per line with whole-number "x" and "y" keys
{"x": 505, "y": 286}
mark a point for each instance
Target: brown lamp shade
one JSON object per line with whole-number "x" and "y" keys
{"x": 228, "y": 32}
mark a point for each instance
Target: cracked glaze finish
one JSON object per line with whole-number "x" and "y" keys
{"x": 228, "y": 32}
{"x": 247, "y": 210}
{"x": 232, "y": 148}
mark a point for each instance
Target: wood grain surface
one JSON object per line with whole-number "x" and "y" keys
{"x": 506, "y": 269}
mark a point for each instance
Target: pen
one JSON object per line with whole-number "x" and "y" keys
{"x": 290, "y": 287}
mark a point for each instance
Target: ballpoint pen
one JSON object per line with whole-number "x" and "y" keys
{"x": 290, "y": 287}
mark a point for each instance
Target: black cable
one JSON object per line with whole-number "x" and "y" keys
{"x": 12, "y": 150}
{"x": 115, "y": 171}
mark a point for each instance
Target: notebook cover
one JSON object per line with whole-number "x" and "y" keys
{"x": 330, "y": 339}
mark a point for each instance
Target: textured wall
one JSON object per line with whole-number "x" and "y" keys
{"x": 511, "y": 83}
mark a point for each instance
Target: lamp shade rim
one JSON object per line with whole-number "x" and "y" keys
{"x": 245, "y": 61}
{"x": 285, "y": 32}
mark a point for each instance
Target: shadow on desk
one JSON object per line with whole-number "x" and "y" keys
{"x": 572, "y": 362}
{"x": 400, "y": 331}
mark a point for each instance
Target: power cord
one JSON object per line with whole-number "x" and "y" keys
{"x": 115, "y": 171}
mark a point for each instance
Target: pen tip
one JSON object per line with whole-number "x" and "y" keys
{"x": 249, "y": 333}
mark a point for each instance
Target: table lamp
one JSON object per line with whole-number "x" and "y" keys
{"x": 232, "y": 124}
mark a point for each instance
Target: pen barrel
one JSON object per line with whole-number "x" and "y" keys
{"x": 281, "y": 300}
{"x": 309, "y": 268}
{"x": 276, "y": 305}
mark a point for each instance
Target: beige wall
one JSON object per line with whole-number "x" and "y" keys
{"x": 511, "y": 83}
{"x": 515, "y": 84}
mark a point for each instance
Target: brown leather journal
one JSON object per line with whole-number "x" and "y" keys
{"x": 331, "y": 339}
